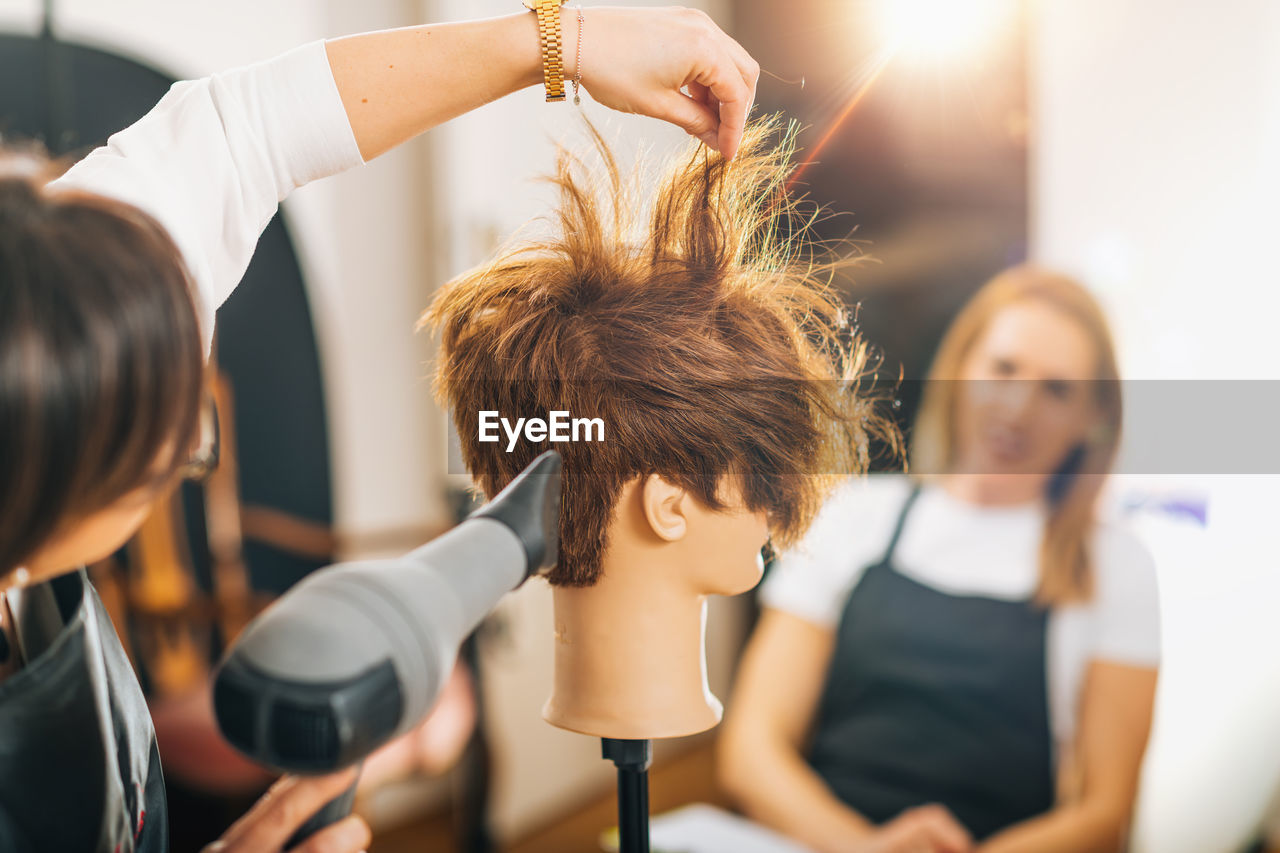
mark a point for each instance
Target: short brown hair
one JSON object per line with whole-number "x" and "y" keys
{"x": 101, "y": 360}
{"x": 709, "y": 343}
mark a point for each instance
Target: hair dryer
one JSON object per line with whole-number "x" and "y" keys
{"x": 358, "y": 653}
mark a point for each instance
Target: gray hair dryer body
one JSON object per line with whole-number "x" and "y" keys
{"x": 358, "y": 653}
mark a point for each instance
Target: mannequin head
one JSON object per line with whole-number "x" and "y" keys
{"x": 719, "y": 365}
{"x": 711, "y": 351}
{"x": 706, "y": 551}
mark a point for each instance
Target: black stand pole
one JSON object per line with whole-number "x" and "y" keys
{"x": 632, "y": 758}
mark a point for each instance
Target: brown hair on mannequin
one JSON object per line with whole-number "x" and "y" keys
{"x": 1065, "y": 572}
{"x": 709, "y": 342}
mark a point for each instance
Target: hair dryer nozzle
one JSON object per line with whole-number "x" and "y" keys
{"x": 530, "y": 507}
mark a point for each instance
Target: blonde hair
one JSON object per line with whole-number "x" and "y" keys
{"x": 1065, "y": 570}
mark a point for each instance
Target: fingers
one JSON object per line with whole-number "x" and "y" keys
{"x": 931, "y": 828}
{"x": 702, "y": 95}
{"x": 902, "y": 837}
{"x": 349, "y": 835}
{"x": 656, "y": 53}
{"x": 286, "y": 806}
{"x": 730, "y": 76}
{"x": 747, "y": 66}
{"x": 727, "y": 85}
{"x": 696, "y": 118}
{"x": 944, "y": 831}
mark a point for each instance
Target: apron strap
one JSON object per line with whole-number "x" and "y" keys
{"x": 902, "y": 520}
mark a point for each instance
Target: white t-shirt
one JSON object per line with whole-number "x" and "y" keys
{"x": 966, "y": 549}
{"x": 215, "y": 157}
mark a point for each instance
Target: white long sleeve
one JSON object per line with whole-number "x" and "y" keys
{"x": 215, "y": 157}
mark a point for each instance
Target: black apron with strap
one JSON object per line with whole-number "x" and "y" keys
{"x": 79, "y": 770}
{"x": 936, "y": 698}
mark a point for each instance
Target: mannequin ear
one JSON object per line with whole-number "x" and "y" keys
{"x": 665, "y": 507}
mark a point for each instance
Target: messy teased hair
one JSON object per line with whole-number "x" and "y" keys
{"x": 709, "y": 342}
{"x": 101, "y": 362}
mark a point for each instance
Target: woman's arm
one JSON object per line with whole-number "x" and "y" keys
{"x": 214, "y": 158}
{"x": 760, "y": 760}
{"x": 1115, "y": 722}
{"x": 397, "y": 83}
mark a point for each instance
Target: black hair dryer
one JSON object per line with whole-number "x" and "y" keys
{"x": 357, "y": 653}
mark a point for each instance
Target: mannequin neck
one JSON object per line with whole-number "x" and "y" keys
{"x": 630, "y": 659}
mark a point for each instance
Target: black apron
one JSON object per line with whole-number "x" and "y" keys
{"x": 936, "y": 698}
{"x": 79, "y": 770}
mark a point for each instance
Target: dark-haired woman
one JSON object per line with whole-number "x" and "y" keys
{"x": 964, "y": 659}
{"x": 109, "y": 279}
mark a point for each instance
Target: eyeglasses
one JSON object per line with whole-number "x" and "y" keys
{"x": 204, "y": 461}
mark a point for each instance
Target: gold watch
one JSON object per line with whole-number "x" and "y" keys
{"x": 549, "y": 35}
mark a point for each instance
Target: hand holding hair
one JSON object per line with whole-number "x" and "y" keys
{"x": 396, "y": 84}
{"x": 637, "y": 60}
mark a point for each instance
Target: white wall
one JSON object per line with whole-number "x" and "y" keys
{"x": 1155, "y": 179}
{"x": 1157, "y": 132}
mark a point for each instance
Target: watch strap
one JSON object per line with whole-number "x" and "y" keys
{"x": 550, "y": 36}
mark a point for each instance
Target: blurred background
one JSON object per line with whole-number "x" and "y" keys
{"x": 1126, "y": 142}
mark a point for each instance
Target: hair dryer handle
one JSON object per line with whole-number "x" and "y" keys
{"x": 329, "y": 814}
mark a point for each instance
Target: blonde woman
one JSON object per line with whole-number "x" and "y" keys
{"x": 964, "y": 659}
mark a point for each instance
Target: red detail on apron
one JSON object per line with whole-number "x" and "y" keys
{"x": 142, "y": 811}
